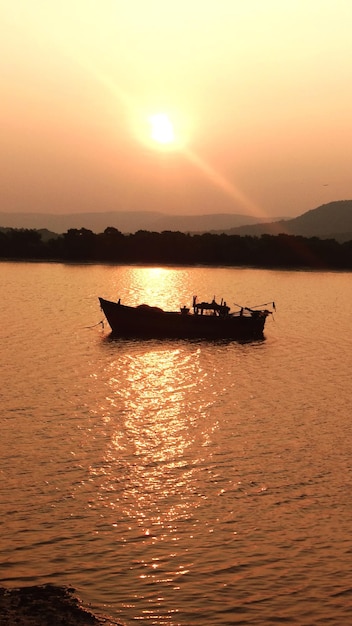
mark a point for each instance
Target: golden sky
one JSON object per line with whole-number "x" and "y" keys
{"x": 180, "y": 106}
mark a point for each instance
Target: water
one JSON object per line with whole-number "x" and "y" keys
{"x": 178, "y": 482}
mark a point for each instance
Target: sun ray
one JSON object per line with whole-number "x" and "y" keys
{"x": 229, "y": 188}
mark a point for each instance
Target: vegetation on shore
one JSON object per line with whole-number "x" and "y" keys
{"x": 168, "y": 247}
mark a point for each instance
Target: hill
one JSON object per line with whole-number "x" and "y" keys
{"x": 126, "y": 221}
{"x": 329, "y": 221}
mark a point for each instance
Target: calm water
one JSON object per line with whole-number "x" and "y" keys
{"x": 178, "y": 482}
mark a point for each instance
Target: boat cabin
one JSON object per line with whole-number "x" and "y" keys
{"x": 210, "y": 308}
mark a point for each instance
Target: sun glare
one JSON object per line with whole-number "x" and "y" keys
{"x": 162, "y": 129}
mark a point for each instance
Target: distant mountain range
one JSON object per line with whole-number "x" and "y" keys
{"x": 329, "y": 221}
{"x": 126, "y": 221}
{"x": 333, "y": 220}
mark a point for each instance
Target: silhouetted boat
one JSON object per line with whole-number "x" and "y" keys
{"x": 207, "y": 320}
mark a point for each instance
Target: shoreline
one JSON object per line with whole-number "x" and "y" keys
{"x": 47, "y": 605}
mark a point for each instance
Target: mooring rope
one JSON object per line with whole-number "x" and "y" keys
{"x": 94, "y": 325}
{"x": 259, "y": 306}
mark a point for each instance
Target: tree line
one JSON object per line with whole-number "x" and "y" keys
{"x": 169, "y": 247}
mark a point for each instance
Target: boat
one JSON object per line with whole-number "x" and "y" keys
{"x": 207, "y": 320}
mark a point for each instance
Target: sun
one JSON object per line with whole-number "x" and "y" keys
{"x": 159, "y": 129}
{"x": 162, "y": 129}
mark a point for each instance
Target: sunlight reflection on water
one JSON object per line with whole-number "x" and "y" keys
{"x": 157, "y": 416}
{"x": 157, "y": 286}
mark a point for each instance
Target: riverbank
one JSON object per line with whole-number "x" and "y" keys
{"x": 46, "y": 605}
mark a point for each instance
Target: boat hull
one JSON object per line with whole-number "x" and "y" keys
{"x": 145, "y": 321}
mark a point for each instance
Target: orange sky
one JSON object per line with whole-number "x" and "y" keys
{"x": 259, "y": 93}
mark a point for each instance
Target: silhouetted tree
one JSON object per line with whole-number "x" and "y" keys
{"x": 179, "y": 248}
{"x": 79, "y": 244}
